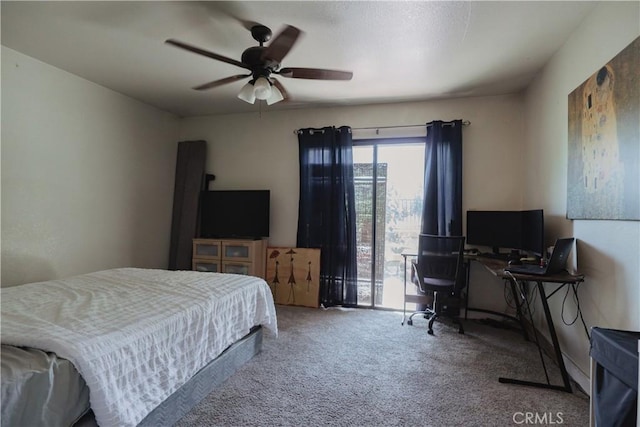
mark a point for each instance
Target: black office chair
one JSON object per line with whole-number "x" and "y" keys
{"x": 439, "y": 270}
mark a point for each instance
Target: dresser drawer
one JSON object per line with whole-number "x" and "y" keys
{"x": 206, "y": 249}
{"x": 237, "y": 267}
{"x": 210, "y": 266}
{"x": 237, "y": 251}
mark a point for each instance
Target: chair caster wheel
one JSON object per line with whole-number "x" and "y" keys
{"x": 430, "y": 331}
{"x": 410, "y": 322}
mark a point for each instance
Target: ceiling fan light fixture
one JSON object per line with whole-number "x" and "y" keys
{"x": 247, "y": 93}
{"x": 262, "y": 88}
{"x": 276, "y": 96}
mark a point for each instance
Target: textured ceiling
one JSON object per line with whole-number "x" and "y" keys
{"x": 398, "y": 51}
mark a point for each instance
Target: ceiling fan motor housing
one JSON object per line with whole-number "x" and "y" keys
{"x": 259, "y": 66}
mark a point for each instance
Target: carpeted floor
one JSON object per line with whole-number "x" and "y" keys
{"x": 361, "y": 367}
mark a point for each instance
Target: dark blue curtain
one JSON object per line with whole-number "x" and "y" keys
{"x": 442, "y": 208}
{"x": 326, "y": 213}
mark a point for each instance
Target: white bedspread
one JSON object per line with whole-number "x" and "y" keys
{"x": 135, "y": 335}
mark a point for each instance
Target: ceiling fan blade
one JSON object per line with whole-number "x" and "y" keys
{"x": 281, "y": 44}
{"x": 206, "y": 53}
{"x": 315, "y": 73}
{"x": 221, "y": 82}
{"x": 281, "y": 88}
{"x": 232, "y": 10}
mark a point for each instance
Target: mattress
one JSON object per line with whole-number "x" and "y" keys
{"x": 40, "y": 389}
{"x": 199, "y": 386}
{"x": 135, "y": 335}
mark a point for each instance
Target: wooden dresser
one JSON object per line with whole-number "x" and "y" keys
{"x": 239, "y": 256}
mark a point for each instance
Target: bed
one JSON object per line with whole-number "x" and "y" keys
{"x": 136, "y": 346}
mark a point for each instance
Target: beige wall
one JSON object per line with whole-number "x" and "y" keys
{"x": 87, "y": 175}
{"x": 608, "y": 252}
{"x": 247, "y": 151}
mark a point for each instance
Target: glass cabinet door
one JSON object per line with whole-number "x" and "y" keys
{"x": 236, "y": 251}
{"x": 206, "y": 266}
{"x": 206, "y": 249}
{"x": 236, "y": 268}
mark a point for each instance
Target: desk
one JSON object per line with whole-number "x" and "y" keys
{"x": 518, "y": 282}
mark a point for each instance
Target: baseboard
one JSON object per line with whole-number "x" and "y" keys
{"x": 581, "y": 379}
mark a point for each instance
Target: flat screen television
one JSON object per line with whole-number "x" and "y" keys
{"x": 238, "y": 214}
{"x": 521, "y": 230}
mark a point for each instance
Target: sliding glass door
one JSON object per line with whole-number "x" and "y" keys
{"x": 388, "y": 182}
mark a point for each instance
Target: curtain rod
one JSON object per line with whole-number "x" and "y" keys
{"x": 464, "y": 123}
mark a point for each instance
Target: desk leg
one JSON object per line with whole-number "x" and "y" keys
{"x": 516, "y": 297}
{"x": 554, "y": 338}
{"x": 556, "y": 346}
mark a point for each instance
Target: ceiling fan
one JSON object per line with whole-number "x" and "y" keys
{"x": 263, "y": 62}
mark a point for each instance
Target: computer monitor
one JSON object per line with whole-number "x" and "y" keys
{"x": 521, "y": 230}
{"x": 533, "y": 232}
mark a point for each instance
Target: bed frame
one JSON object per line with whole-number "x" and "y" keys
{"x": 200, "y": 385}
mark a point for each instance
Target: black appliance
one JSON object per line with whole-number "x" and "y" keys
{"x": 238, "y": 214}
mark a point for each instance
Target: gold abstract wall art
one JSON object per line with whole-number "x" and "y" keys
{"x": 603, "y": 179}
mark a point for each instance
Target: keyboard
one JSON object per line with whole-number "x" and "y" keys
{"x": 494, "y": 255}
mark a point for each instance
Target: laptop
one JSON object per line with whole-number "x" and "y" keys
{"x": 557, "y": 261}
